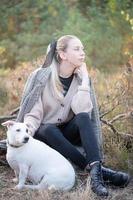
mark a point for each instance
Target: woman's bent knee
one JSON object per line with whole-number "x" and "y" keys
{"x": 82, "y": 119}
{"x": 82, "y": 115}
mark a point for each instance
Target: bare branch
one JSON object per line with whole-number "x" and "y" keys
{"x": 122, "y": 116}
{"x": 4, "y": 118}
{"x": 108, "y": 111}
{"x": 13, "y": 112}
{"x": 118, "y": 117}
{"x": 110, "y": 125}
{"x": 124, "y": 135}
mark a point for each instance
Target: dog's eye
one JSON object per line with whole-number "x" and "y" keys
{"x": 18, "y": 130}
{"x": 27, "y": 130}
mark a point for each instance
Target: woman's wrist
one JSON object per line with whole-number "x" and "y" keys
{"x": 85, "y": 81}
{"x": 85, "y": 84}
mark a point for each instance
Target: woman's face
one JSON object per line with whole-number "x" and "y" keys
{"x": 74, "y": 53}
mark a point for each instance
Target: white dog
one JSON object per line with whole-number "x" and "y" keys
{"x": 33, "y": 160}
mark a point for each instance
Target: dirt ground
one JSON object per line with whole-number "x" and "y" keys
{"x": 81, "y": 190}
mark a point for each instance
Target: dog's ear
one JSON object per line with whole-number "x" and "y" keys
{"x": 8, "y": 123}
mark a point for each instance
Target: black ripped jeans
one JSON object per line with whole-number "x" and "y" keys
{"x": 63, "y": 138}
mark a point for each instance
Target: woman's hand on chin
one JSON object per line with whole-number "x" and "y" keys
{"x": 82, "y": 71}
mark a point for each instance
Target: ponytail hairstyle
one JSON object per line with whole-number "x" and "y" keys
{"x": 53, "y": 60}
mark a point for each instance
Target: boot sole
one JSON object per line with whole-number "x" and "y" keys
{"x": 122, "y": 186}
{"x": 127, "y": 182}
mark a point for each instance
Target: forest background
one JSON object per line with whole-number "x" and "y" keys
{"x": 106, "y": 29}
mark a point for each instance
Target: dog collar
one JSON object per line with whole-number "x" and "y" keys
{"x": 14, "y": 146}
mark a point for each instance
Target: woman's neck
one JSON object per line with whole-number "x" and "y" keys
{"x": 65, "y": 70}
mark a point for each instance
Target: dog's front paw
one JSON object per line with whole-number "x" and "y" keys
{"x": 15, "y": 180}
{"x": 19, "y": 187}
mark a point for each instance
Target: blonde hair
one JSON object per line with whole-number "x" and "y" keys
{"x": 61, "y": 45}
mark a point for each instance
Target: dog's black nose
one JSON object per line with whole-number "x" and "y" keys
{"x": 26, "y": 139}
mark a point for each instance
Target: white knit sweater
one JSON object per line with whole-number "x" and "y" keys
{"x": 48, "y": 109}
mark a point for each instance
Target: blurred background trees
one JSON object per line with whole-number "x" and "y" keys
{"x": 104, "y": 26}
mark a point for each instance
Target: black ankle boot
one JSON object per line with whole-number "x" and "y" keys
{"x": 96, "y": 182}
{"x": 115, "y": 178}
